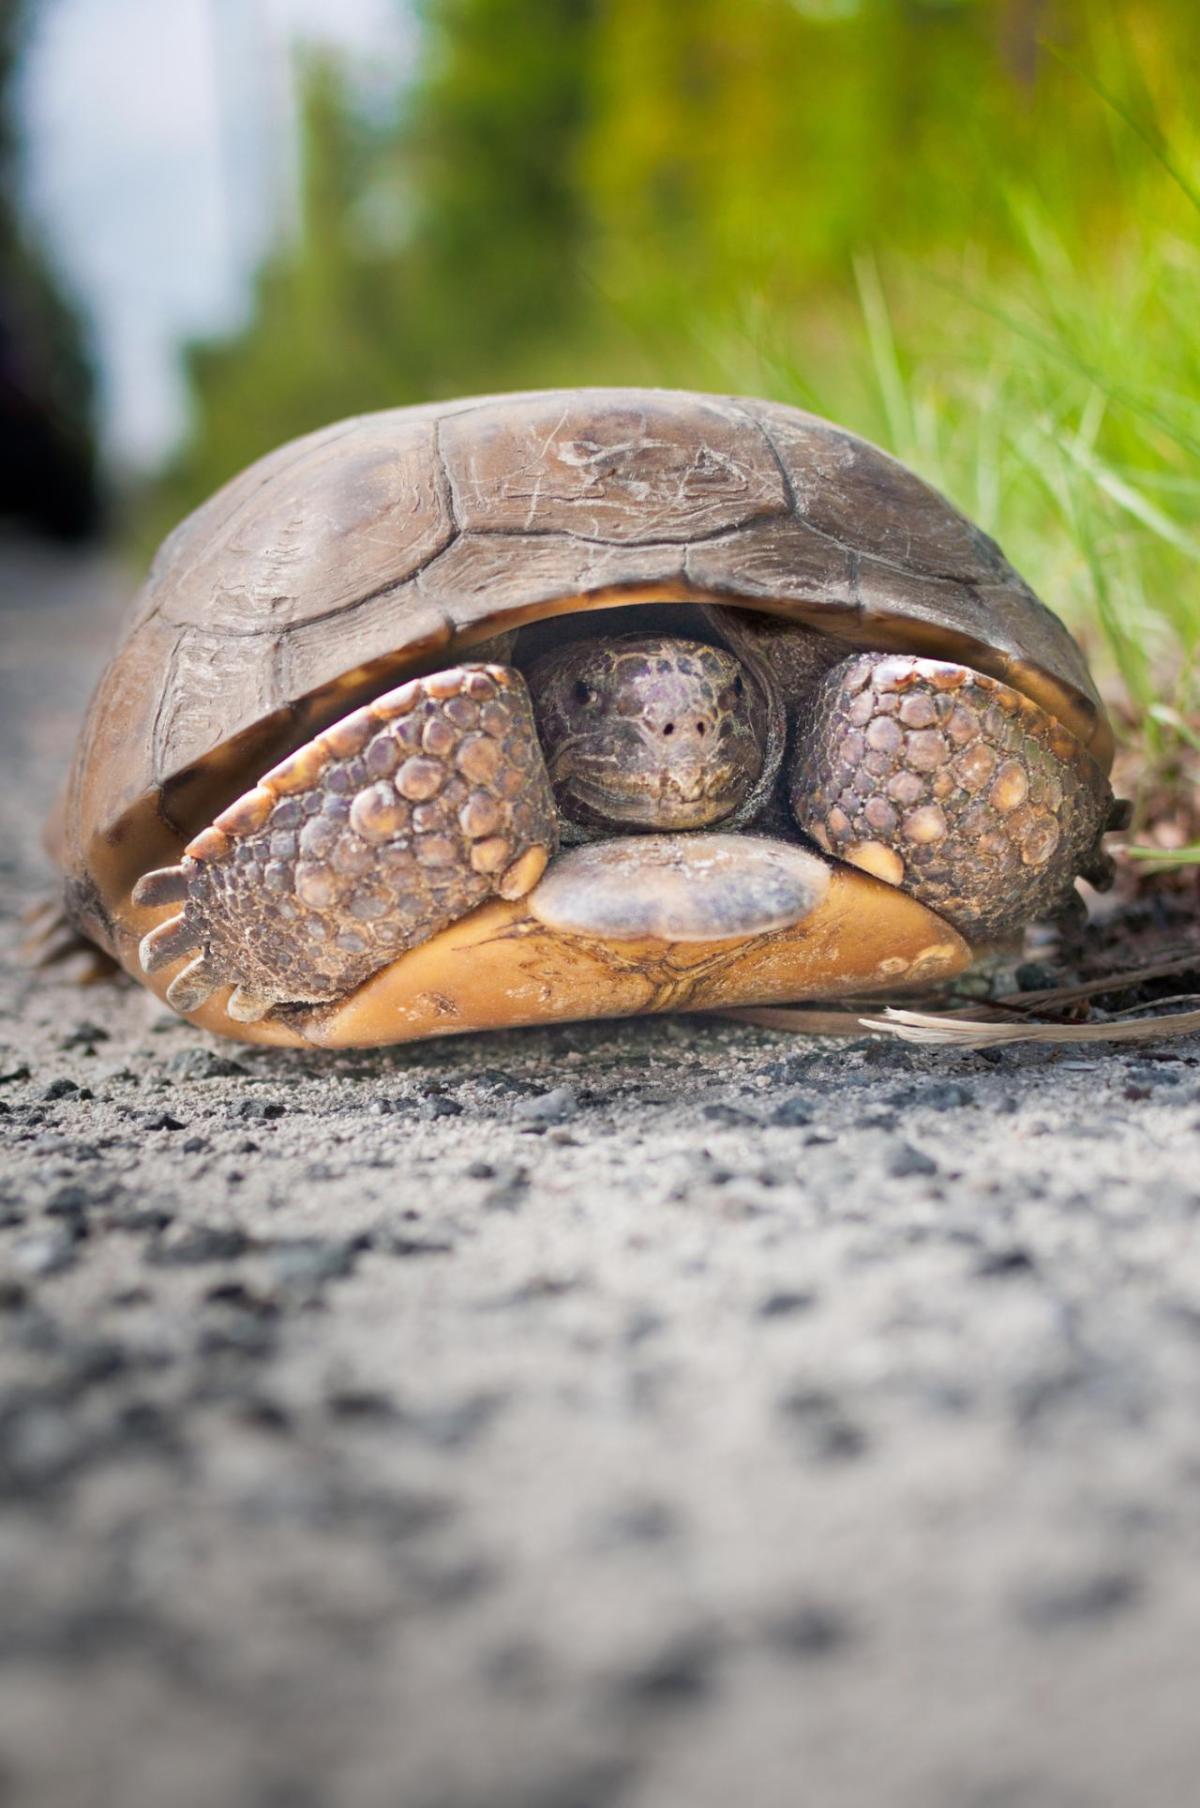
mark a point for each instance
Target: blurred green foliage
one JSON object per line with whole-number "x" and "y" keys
{"x": 440, "y": 251}
{"x": 964, "y": 227}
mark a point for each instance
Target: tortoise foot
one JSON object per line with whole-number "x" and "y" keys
{"x": 365, "y": 842}
{"x": 951, "y": 785}
{"x": 51, "y": 940}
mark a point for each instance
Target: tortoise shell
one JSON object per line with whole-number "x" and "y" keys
{"x": 384, "y": 546}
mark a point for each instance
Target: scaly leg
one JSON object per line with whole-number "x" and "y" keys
{"x": 390, "y": 825}
{"x": 953, "y": 786}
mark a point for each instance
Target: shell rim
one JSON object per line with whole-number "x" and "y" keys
{"x": 116, "y": 851}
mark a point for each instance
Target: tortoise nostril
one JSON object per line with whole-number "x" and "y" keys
{"x": 699, "y": 728}
{"x": 669, "y": 728}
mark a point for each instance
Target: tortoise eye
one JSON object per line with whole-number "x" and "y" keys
{"x": 738, "y": 686}
{"x": 583, "y": 692}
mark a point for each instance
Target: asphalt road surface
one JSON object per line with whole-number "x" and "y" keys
{"x": 655, "y": 1415}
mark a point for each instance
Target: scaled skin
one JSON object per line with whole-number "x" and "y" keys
{"x": 953, "y": 786}
{"x": 394, "y": 823}
{"x": 647, "y": 732}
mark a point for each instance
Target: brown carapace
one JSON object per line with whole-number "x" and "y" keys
{"x": 570, "y": 704}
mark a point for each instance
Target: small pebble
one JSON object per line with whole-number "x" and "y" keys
{"x": 941, "y": 1095}
{"x": 205, "y": 1064}
{"x": 50, "y": 1252}
{"x": 189, "y": 1245}
{"x": 1081, "y": 1602}
{"x": 679, "y": 1675}
{"x": 723, "y": 1113}
{"x": 1032, "y": 976}
{"x": 999, "y": 1263}
{"x": 552, "y": 1107}
{"x": 70, "y": 1201}
{"x": 798, "y": 1109}
{"x": 438, "y": 1105}
{"x": 806, "y": 1632}
{"x": 1152, "y": 1074}
{"x": 311, "y": 1261}
{"x": 785, "y": 1303}
{"x": 84, "y": 1035}
{"x": 909, "y": 1161}
{"x": 62, "y": 1088}
{"x": 259, "y": 1111}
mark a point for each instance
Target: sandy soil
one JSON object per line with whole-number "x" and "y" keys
{"x": 659, "y": 1415}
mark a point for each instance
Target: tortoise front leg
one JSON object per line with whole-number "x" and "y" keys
{"x": 952, "y": 785}
{"x": 383, "y": 830}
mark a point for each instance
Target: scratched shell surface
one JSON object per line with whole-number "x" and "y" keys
{"x": 388, "y": 541}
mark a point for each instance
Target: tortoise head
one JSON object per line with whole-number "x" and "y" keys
{"x": 648, "y": 732}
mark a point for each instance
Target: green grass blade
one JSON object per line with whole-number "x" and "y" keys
{"x": 1127, "y": 497}
{"x": 1148, "y": 131}
{"x": 881, "y": 342}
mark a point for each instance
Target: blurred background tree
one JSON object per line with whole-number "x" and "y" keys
{"x": 441, "y": 249}
{"x": 47, "y": 422}
{"x": 964, "y": 227}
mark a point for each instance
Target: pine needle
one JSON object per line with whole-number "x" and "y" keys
{"x": 1008, "y": 1022}
{"x": 1045, "y": 997}
{"x": 964, "y": 1032}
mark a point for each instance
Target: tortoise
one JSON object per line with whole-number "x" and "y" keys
{"x": 574, "y": 703}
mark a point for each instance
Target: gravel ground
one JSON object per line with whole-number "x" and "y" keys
{"x": 647, "y": 1416}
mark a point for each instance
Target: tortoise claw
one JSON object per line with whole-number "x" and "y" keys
{"x": 1100, "y": 872}
{"x": 191, "y": 988}
{"x": 245, "y": 1005}
{"x": 166, "y": 943}
{"x": 165, "y": 885}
